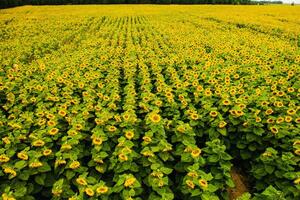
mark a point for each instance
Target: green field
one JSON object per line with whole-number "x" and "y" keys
{"x": 150, "y": 102}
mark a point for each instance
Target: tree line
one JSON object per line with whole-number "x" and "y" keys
{"x": 12, "y": 3}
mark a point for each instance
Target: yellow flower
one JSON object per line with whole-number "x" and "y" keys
{"x": 193, "y": 174}
{"x": 297, "y": 152}
{"x": 47, "y": 152}
{"x": 89, "y": 191}
{"x": 297, "y": 181}
{"x": 66, "y": 147}
{"x": 74, "y": 165}
{"x": 129, "y": 135}
{"x": 4, "y": 158}
{"x": 258, "y": 119}
{"x": 35, "y": 164}
{"x": 57, "y": 192}
{"x": 38, "y": 143}
{"x": 51, "y": 123}
{"x": 81, "y": 181}
{"x": 78, "y": 127}
{"x": 279, "y": 120}
{"x": 213, "y": 113}
{"x": 129, "y": 182}
{"x": 10, "y": 171}
{"x": 53, "y": 131}
{"x": 97, "y": 141}
{"x": 274, "y": 130}
{"x": 102, "y": 190}
{"x": 155, "y": 118}
{"x": 6, "y": 140}
{"x": 22, "y": 156}
{"x": 203, "y": 183}
{"x": 180, "y": 129}
{"x": 194, "y": 116}
{"x": 196, "y": 152}
{"x": 288, "y": 119}
{"x": 226, "y": 102}
{"x": 222, "y": 124}
{"x": 60, "y": 162}
{"x": 62, "y": 113}
{"x": 147, "y": 139}
{"x": 123, "y": 157}
{"x": 269, "y": 111}
{"x": 190, "y": 184}
{"x": 291, "y": 111}
{"x": 112, "y": 128}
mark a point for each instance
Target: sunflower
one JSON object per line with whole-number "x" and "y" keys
{"x": 203, "y": 183}
{"x": 194, "y": 116}
{"x": 155, "y": 118}
{"x": 38, "y": 143}
{"x": 274, "y": 130}
{"x": 147, "y": 139}
{"x": 35, "y": 164}
{"x": 74, "y": 164}
{"x": 129, "y": 134}
{"x": 257, "y": 119}
{"x": 8, "y": 170}
{"x": 62, "y": 113}
{"x": 129, "y": 181}
{"x": 288, "y": 119}
{"x": 22, "y": 156}
{"x": 56, "y": 192}
{"x": 81, "y": 181}
{"x": 297, "y": 181}
{"x": 297, "y": 152}
{"x": 190, "y": 184}
{"x": 213, "y": 113}
{"x": 53, "y": 131}
{"x": 6, "y": 140}
{"x": 196, "y": 152}
{"x": 222, "y": 124}
{"x": 193, "y": 174}
{"x": 279, "y": 120}
{"x": 102, "y": 189}
{"x": 291, "y": 111}
{"x": 47, "y": 152}
{"x": 226, "y": 102}
{"x": 112, "y": 128}
{"x": 4, "y": 158}
{"x": 97, "y": 141}
{"x": 51, "y": 123}
{"x": 89, "y": 191}
{"x": 123, "y": 157}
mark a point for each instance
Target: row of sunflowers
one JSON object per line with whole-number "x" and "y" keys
{"x": 149, "y": 102}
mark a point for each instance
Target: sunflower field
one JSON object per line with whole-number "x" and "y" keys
{"x": 139, "y": 102}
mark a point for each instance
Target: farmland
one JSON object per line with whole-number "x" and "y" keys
{"x": 149, "y": 102}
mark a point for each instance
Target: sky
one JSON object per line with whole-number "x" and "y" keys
{"x": 290, "y": 1}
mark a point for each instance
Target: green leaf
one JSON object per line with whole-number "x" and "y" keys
{"x": 251, "y": 137}
{"x": 213, "y": 158}
{"x": 20, "y": 191}
{"x": 269, "y": 168}
{"x": 230, "y": 183}
{"x": 20, "y": 164}
{"x": 196, "y": 192}
{"x": 40, "y": 179}
{"x": 223, "y": 131}
{"x": 166, "y": 170}
{"x": 258, "y": 131}
{"x": 70, "y": 174}
{"x": 44, "y": 168}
